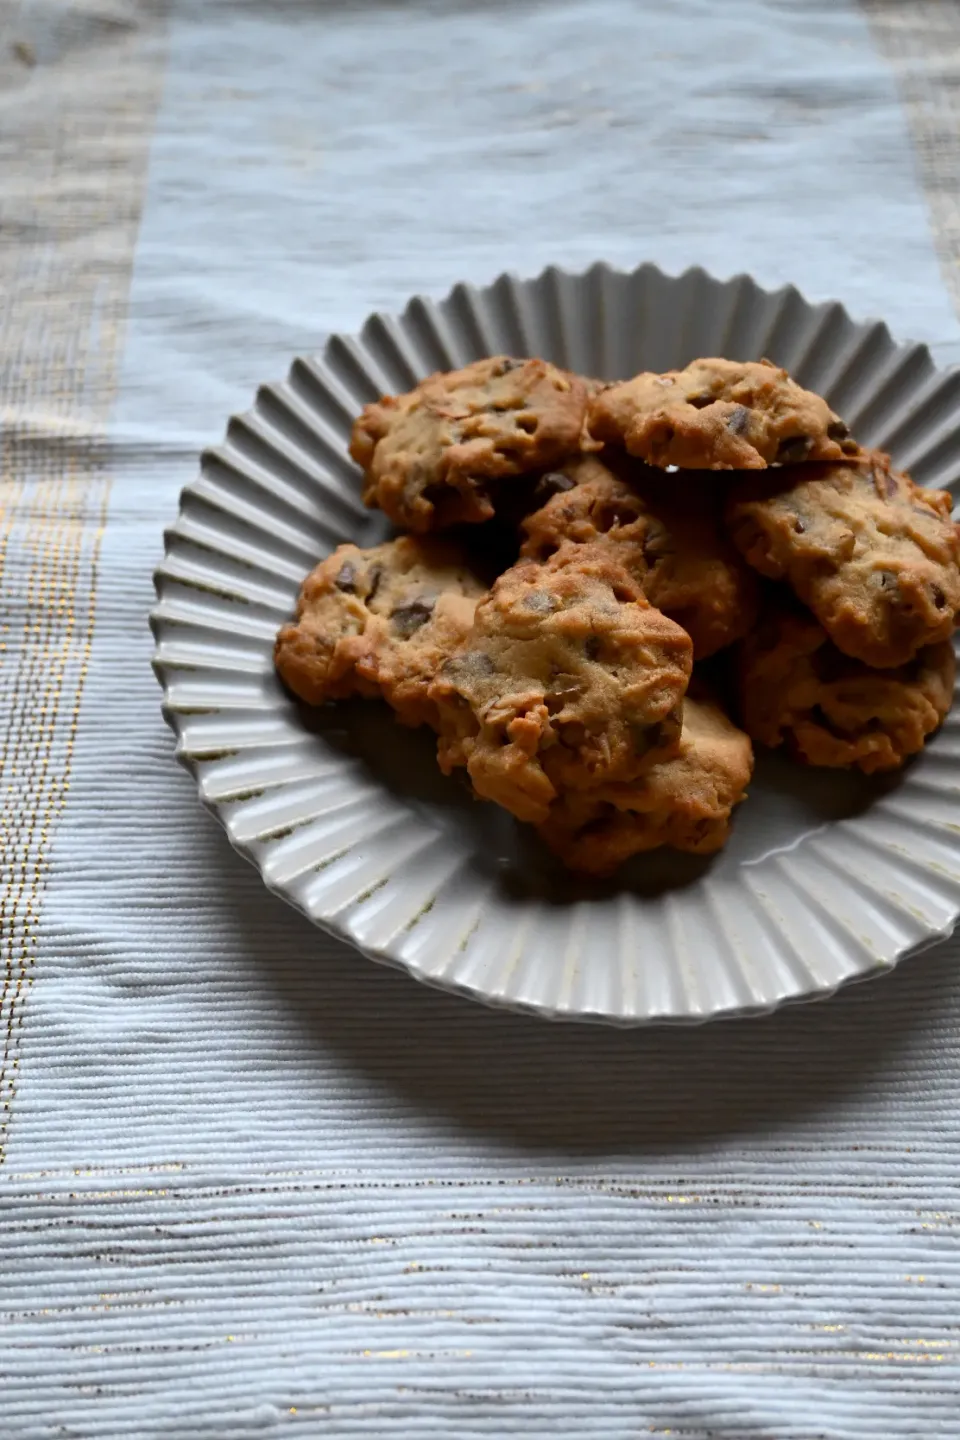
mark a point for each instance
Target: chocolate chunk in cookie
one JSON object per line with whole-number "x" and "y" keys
{"x": 876, "y": 558}
{"x": 569, "y": 678}
{"x": 798, "y": 690}
{"x": 719, "y": 415}
{"x": 685, "y": 802}
{"x": 667, "y": 536}
{"x": 438, "y": 455}
{"x": 379, "y": 622}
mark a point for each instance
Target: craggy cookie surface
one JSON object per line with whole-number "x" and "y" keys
{"x": 436, "y": 456}
{"x": 672, "y": 545}
{"x": 685, "y": 802}
{"x": 562, "y": 691}
{"x": 796, "y": 688}
{"x": 379, "y": 622}
{"x": 719, "y": 415}
{"x": 873, "y": 555}
{"x": 568, "y": 679}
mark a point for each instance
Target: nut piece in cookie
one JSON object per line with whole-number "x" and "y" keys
{"x": 379, "y": 622}
{"x": 876, "y": 558}
{"x": 797, "y": 689}
{"x": 685, "y": 802}
{"x": 671, "y": 543}
{"x": 719, "y": 415}
{"x": 436, "y": 456}
{"x": 569, "y": 678}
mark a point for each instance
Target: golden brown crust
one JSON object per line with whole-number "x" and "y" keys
{"x": 797, "y": 689}
{"x": 875, "y": 557}
{"x": 719, "y": 415}
{"x": 379, "y": 622}
{"x": 436, "y": 456}
{"x": 569, "y": 678}
{"x": 563, "y": 691}
{"x": 672, "y": 545}
{"x": 685, "y": 802}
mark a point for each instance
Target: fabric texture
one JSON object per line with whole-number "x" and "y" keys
{"x": 251, "y": 1184}
{"x": 922, "y": 43}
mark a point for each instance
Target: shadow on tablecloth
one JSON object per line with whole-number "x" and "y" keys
{"x": 579, "y": 1089}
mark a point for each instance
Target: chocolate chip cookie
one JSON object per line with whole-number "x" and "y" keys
{"x": 379, "y": 622}
{"x": 672, "y": 544}
{"x": 438, "y": 455}
{"x": 797, "y": 689}
{"x": 873, "y": 555}
{"x": 719, "y": 415}
{"x": 685, "y": 802}
{"x": 569, "y": 678}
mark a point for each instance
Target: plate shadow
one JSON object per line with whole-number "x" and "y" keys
{"x": 571, "y": 1089}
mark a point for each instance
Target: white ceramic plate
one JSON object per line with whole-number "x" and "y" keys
{"x": 828, "y": 877}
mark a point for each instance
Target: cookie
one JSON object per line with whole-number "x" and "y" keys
{"x": 719, "y": 415}
{"x": 569, "y": 678}
{"x": 438, "y": 455}
{"x": 797, "y": 689}
{"x": 379, "y": 622}
{"x": 685, "y": 802}
{"x": 874, "y": 556}
{"x": 672, "y": 545}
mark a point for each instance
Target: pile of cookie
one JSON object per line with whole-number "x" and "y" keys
{"x": 606, "y": 592}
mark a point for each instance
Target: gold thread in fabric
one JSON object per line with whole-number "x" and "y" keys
{"x": 921, "y": 41}
{"x": 77, "y": 105}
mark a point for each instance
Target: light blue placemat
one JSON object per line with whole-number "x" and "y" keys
{"x": 249, "y": 1183}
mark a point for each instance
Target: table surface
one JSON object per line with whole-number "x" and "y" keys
{"x": 250, "y": 1183}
